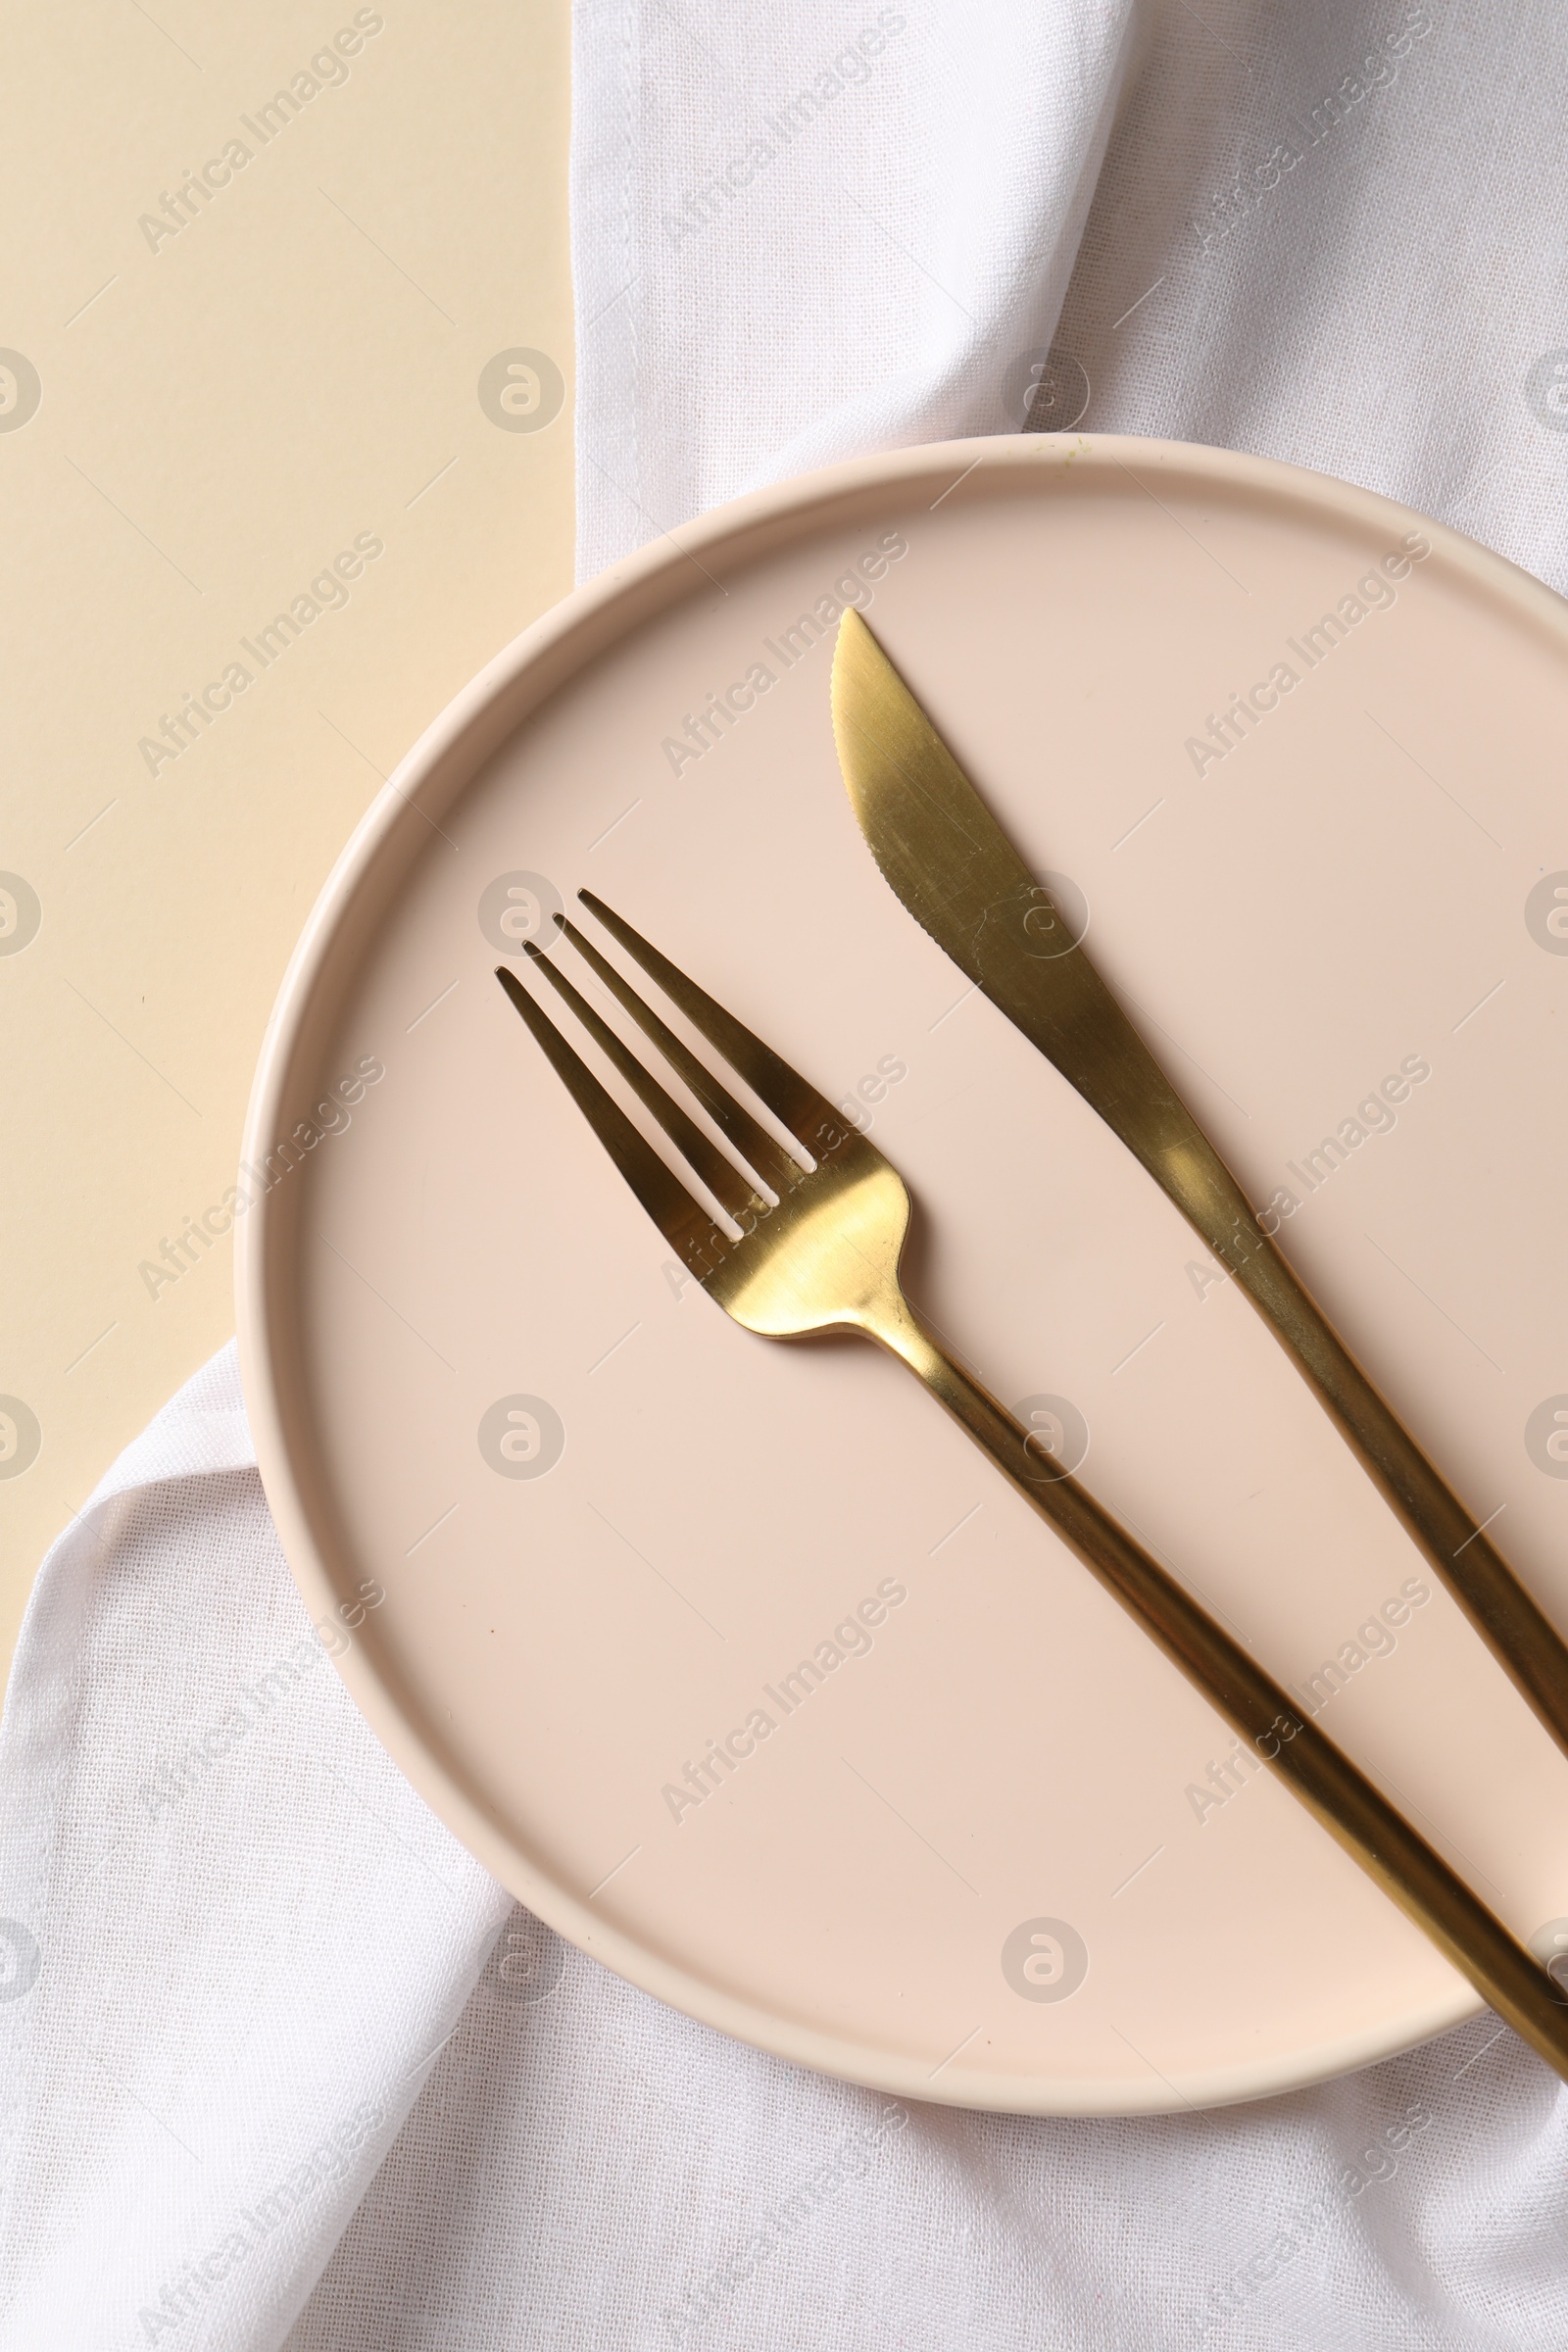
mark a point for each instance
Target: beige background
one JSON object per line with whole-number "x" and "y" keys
{"x": 221, "y": 412}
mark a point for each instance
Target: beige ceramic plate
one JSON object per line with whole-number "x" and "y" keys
{"x": 613, "y": 1529}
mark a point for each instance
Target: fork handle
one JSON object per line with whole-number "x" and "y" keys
{"x": 1317, "y": 1772}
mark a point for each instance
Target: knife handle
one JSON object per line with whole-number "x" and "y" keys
{"x": 1340, "y": 1797}
{"x": 1089, "y": 1035}
{"x": 1520, "y": 1636}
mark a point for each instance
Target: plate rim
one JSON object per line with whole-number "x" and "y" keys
{"x": 562, "y": 640}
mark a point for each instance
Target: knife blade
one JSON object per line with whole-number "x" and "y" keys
{"x": 950, "y": 862}
{"x": 947, "y": 858}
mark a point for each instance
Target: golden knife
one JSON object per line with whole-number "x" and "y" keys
{"x": 959, "y": 876}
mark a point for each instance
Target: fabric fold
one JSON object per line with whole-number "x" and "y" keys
{"x": 232, "y": 1938}
{"x": 799, "y": 238}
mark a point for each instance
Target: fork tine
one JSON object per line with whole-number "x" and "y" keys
{"x": 803, "y": 1111}
{"x": 682, "y": 1220}
{"x": 750, "y": 1138}
{"x": 722, "y": 1176}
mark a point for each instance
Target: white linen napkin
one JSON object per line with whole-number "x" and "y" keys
{"x": 233, "y": 1937}
{"x": 1331, "y": 233}
{"x": 281, "y": 2063}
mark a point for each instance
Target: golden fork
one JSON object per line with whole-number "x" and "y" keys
{"x": 810, "y": 1242}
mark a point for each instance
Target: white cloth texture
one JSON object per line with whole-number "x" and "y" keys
{"x": 283, "y": 2066}
{"x": 1331, "y": 233}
